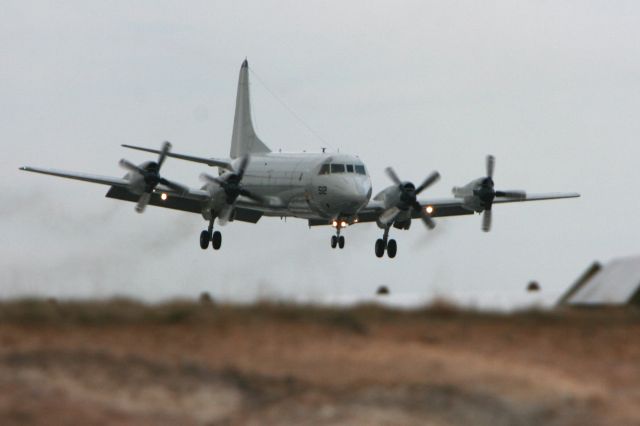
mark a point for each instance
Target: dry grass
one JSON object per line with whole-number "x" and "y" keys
{"x": 201, "y": 362}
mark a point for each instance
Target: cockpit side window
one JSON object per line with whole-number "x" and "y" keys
{"x": 349, "y": 168}
{"x": 360, "y": 170}
{"x": 337, "y": 168}
{"x": 324, "y": 169}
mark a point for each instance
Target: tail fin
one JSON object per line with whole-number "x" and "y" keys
{"x": 244, "y": 139}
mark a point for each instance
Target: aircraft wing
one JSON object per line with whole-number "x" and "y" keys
{"x": 213, "y": 162}
{"x": 104, "y": 180}
{"x": 454, "y": 206}
{"x": 193, "y": 201}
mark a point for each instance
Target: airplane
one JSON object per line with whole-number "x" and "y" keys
{"x": 324, "y": 188}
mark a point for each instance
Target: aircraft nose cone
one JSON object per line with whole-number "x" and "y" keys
{"x": 352, "y": 195}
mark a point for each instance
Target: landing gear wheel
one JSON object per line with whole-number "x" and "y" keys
{"x": 380, "y": 246}
{"x": 341, "y": 241}
{"x": 204, "y": 240}
{"x": 334, "y": 241}
{"x": 216, "y": 240}
{"x": 392, "y": 248}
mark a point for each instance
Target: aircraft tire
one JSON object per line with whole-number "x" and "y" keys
{"x": 204, "y": 240}
{"x": 380, "y": 246}
{"x": 392, "y": 248}
{"x": 334, "y": 241}
{"x": 341, "y": 242}
{"x": 216, "y": 240}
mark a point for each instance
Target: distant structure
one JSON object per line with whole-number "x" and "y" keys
{"x": 383, "y": 290}
{"x": 533, "y": 287}
{"x": 205, "y": 298}
{"x": 615, "y": 284}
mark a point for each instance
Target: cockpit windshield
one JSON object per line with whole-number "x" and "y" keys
{"x": 333, "y": 168}
{"x": 337, "y": 168}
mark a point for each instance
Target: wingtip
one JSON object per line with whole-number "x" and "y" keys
{"x": 245, "y": 63}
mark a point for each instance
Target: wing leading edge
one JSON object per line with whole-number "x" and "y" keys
{"x": 103, "y": 180}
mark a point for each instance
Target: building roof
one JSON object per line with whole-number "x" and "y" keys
{"x": 616, "y": 283}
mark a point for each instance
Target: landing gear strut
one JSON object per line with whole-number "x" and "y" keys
{"x": 337, "y": 240}
{"x": 387, "y": 244}
{"x": 209, "y": 235}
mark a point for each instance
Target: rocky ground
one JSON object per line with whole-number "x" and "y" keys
{"x": 120, "y": 362}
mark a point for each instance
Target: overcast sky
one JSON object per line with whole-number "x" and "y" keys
{"x": 552, "y": 89}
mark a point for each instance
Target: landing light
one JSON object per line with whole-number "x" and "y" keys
{"x": 335, "y": 223}
{"x": 429, "y": 209}
{"x": 164, "y": 196}
{"x": 343, "y": 224}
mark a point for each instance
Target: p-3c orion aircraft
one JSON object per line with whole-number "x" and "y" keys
{"x": 324, "y": 188}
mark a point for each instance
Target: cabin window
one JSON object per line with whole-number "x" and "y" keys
{"x": 337, "y": 168}
{"x": 324, "y": 169}
{"x": 360, "y": 170}
{"x": 349, "y": 168}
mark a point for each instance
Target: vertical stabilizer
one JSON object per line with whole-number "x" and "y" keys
{"x": 244, "y": 139}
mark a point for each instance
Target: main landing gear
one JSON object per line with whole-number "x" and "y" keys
{"x": 209, "y": 235}
{"x": 387, "y": 244}
{"x": 337, "y": 240}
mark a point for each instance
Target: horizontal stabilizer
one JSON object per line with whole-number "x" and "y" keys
{"x": 213, "y": 162}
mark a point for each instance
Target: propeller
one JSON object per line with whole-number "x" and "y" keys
{"x": 231, "y": 184}
{"x": 151, "y": 175}
{"x": 486, "y": 193}
{"x": 408, "y": 198}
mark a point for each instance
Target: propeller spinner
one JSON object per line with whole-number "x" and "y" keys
{"x": 408, "y": 198}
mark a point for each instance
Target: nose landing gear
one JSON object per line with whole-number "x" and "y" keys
{"x": 337, "y": 240}
{"x": 209, "y": 235}
{"x": 387, "y": 244}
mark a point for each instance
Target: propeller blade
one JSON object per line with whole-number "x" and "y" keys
{"x": 175, "y": 186}
{"x": 388, "y": 215}
{"x": 433, "y": 178}
{"x": 166, "y": 146}
{"x": 143, "y": 201}
{"x": 393, "y": 176}
{"x": 211, "y": 179}
{"x": 486, "y": 220}
{"x": 244, "y": 162}
{"x": 225, "y": 215}
{"x": 491, "y": 164}
{"x": 130, "y": 166}
{"x": 519, "y": 195}
{"x": 426, "y": 219}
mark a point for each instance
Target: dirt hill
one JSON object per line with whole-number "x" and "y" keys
{"x": 121, "y": 362}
